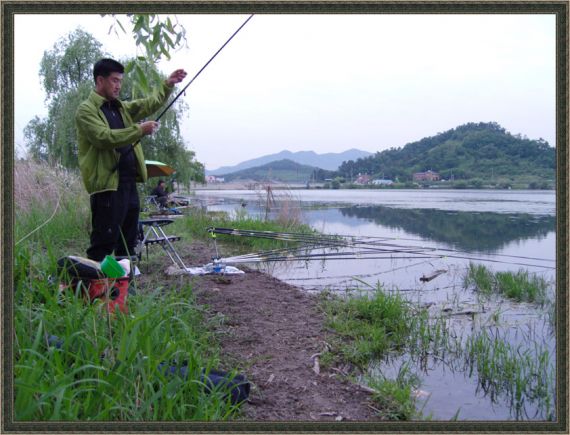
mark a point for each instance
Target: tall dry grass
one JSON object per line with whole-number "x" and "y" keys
{"x": 281, "y": 207}
{"x": 38, "y": 184}
{"x": 51, "y": 204}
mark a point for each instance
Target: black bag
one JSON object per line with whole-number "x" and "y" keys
{"x": 239, "y": 385}
{"x": 79, "y": 268}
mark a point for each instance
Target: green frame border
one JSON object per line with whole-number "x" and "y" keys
{"x": 558, "y": 8}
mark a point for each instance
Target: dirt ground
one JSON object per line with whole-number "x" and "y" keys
{"x": 271, "y": 334}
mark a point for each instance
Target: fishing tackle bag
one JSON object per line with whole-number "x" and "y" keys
{"x": 85, "y": 274}
{"x": 212, "y": 380}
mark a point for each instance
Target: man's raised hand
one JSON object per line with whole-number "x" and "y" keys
{"x": 176, "y": 77}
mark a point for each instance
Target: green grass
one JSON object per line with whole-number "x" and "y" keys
{"x": 520, "y": 286}
{"x": 394, "y": 397}
{"x": 104, "y": 367}
{"x": 370, "y": 327}
{"x": 519, "y": 375}
{"x": 373, "y": 325}
{"x": 197, "y": 223}
{"x": 108, "y": 365}
{"x": 480, "y": 277}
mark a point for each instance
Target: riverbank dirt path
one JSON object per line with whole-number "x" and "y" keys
{"x": 271, "y": 333}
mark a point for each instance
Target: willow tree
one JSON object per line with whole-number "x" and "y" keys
{"x": 66, "y": 73}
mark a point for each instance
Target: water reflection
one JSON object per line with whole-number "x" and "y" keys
{"x": 468, "y": 231}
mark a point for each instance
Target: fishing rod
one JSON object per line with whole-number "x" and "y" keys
{"x": 312, "y": 243}
{"x": 363, "y": 255}
{"x": 362, "y": 241}
{"x": 315, "y": 241}
{"x": 132, "y": 147}
{"x": 366, "y": 247}
{"x": 349, "y": 256}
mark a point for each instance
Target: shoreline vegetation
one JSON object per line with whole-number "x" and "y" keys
{"x": 74, "y": 363}
{"x": 276, "y": 185}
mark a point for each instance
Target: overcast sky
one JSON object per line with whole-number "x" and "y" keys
{"x": 328, "y": 83}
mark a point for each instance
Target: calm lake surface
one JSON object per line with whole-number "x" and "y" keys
{"x": 503, "y": 230}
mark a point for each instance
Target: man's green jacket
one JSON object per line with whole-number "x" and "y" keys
{"x": 97, "y": 141}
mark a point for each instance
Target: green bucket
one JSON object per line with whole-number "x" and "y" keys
{"x": 111, "y": 267}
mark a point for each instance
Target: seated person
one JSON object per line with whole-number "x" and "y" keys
{"x": 160, "y": 192}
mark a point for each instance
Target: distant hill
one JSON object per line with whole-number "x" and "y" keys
{"x": 474, "y": 151}
{"x": 328, "y": 161}
{"x": 285, "y": 170}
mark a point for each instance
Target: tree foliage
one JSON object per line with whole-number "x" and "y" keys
{"x": 155, "y": 37}
{"x": 70, "y": 63}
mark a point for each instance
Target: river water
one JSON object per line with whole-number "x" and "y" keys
{"x": 503, "y": 230}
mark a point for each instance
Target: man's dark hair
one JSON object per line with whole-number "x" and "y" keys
{"x": 104, "y": 68}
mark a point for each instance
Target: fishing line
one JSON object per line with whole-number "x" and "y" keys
{"x": 359, "y": 255}
{"x": 349, "y": 256}
{"x": 464, "y": 252}
{"x": 293, "y": 237}
{"x": 303, "y": 251}
{"x": 300, "y": 252}
{"x": 498, "y": 261}
{"x": 347, "y": 278}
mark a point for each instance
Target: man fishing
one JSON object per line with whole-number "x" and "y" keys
{"x": 161, "y": 195}
{"x": 110, "y": 164}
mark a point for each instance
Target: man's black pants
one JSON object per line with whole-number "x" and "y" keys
{"x": 162, "y": 201}
{"x": 114, "y": 222}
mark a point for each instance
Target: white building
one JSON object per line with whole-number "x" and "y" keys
{"x": 211, "y": 179}
{"x": 381, "y": 182}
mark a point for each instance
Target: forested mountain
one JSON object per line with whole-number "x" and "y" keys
{"x": 282, "y": 170}
{"x": 472, "y": 151}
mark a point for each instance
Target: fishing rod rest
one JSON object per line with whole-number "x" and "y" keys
{"x": 218, "y": 266}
